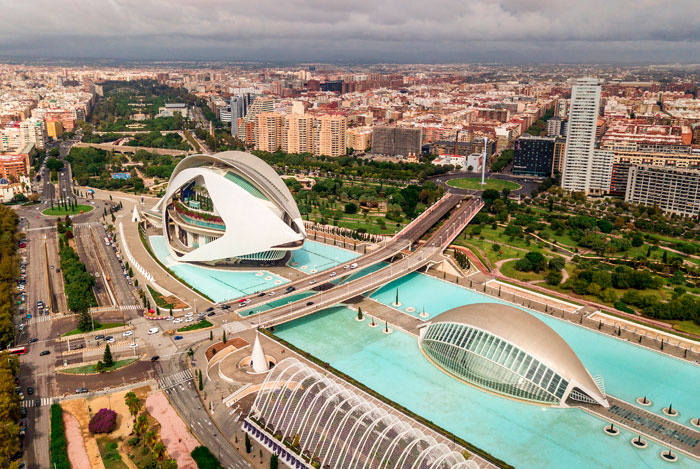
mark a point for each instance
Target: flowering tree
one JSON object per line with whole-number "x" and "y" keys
{"x": 104, "y": 421}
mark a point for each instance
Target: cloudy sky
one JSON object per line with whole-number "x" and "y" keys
{"x": 514, "y": 31}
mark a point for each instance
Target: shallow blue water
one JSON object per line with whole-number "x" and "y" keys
{"x": 317, "y": 257}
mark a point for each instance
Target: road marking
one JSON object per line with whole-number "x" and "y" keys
{"x": 130, "y": 307}
{"x": 32, "y": 402}
{"x": 175, "y": 379}
{"x": 37, "y": 319}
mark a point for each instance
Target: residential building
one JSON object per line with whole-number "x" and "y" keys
{"x": 554, "y": 127}
{"x": 450, "y": 147}
{"x": 395, "y": 141}
{"x": 533, "y": 156}
{"x": 580, "y": 139}
{"x": 359, "y": 138}
{"x": 558, "y": 157}
{"x": 329, "y": 135}
{"x": 299, "y": 133}
{"x": 13, "y": 166}
{"x": 269, "y": 131}
{"x": 54, "y": 128}
{"x": 673, "y": 190}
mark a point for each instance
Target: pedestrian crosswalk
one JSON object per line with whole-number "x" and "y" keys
{"x": 37, "y": 319}
{"x": 130, "y": 307}
{"x": 236, "y": 326}
{"x": 33, "y": 403}
{"x": 180, "y": 377}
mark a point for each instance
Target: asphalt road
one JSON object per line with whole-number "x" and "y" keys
{"x": 528, "y": 184}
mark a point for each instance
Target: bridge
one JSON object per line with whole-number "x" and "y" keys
{"x": 426, "y": 254}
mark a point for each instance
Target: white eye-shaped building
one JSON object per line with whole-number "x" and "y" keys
{"x": 228, "y": 208}
{"x": 508, "y": 351}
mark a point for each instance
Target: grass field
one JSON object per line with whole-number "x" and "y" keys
{"x": 508, "y": 269}
{"x": 60, "y": 211}
{"x": 686, "y": 326}
{"x": 475, "y": 184}
{"x": 89, "y": 369}
{"x": 100, "y": 327}
{"x": 203, "y": 324}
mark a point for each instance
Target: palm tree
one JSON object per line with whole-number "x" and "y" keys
{"x": 159, "y": 450}
{"x": 133, "y": 402}
{"x": 141, "y": 425}
{"x": 150, "y": 438}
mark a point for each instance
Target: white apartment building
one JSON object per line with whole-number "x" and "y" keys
{"x": 579, "y": 161}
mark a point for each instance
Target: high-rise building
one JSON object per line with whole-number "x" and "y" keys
{"x": 259, "y": 105}
{"x": 359, "y": 138}
{"x": 673, "y": 190}
{"x": 395, "y": 141}
{"x": 579, "y": 157}
{"x": 238, "y": 106}
{"x": 329, "y": 135}
{"x": 269, "y": 131}
{"x": 554, "y": 127}
{"x": 533, "y": 155}
{"x": 299, "y": 133}
{"x": 54, "y": 128}
{"x": 558, "y": 158}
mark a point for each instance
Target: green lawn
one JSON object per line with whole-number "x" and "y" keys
{"x": 110, "y": 453}
{"x": 505, "y": 252}
{"x": 89, "y": 369}
{"x": 686, "y": 326}
{"x": 203, "y": 324}
{"x": 508, "y": 269}
{"x": 60, "y": 211}
{"x": 159, "y": 299}
{"x": 475, "y": 184}
{"x": 99, "y": 327}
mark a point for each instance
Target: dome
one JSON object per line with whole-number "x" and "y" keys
{"x": 508, "y": 351}
{"x": 229, "y": 207}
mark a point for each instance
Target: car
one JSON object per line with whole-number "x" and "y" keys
{"x": 177, "y": 321}
{"x": 99, "y": 336}
{"x": 153, "y": 330}
{"x": 45, "y": 352}
{"x": 20, "y": 395}
{"x": 177, "y": 337}
{"x": 346, "y": 266}
{"x": 225, "y": 307}
{"x": 79, "y": 346}
{"x": 189, "y": 314}
{"x": 353, "y": 265}
{"x": 169, "y": 318}
{"x": 58, "y": 271}
{"x": 312, "y": 281}
{"x": 211, "y": 314}
{"x": 190, "y": 319}
{"x": 32, "y": 340}
{"x": 133, "y": 345}
{"x": 23, "y": 412}
{"x": 110, "y": 340}
{"x": 261, "y": 294}
{"x": 29, "y": 316}
{"x": 211, "y": 308}
{"x": 155, "y": 358}
{"x": 127, "y": 333}
{"x": 37, "y": 402}
{"x": 30, "y": 390}
{"x": 333, "y": 274}
{"x": 81, "y": 390}
{"x": 271, "y": 293}
{"x": 309, "y": 303}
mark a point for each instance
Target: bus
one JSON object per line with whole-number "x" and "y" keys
{"x": 17, "y": 350}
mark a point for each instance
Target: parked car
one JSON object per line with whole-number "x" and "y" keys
{"x": 155, "y": 358}
{"x": 189, "y": 319}
{"x": 99, "y": 336}
{"x": 225, "y": 306}
{"x": 177, "y": 337}
{"x": 177, "y": 321}
{"x": 127, "y": 333}
{"x": 109, "y": 339}
{"x": 211, "y": 308}
{"x": 81, "y": 390}
{"x": 211, "y": 314}
{"x": 153, "y": 330}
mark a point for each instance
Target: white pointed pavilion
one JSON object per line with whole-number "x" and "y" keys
{"x": 257, "y": 358}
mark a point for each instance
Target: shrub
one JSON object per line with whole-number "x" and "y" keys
{"x": 133, "y": 441}
{"x": 58, "y": 447}
{"x": 104, "y": 421}
{"x": 204, "y": 458}
{"x": 620, "y": 305}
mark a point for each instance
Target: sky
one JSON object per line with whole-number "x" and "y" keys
{"x": 365, "y": 31}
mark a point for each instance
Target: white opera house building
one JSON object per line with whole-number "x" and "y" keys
{"x": 228, "y": 208}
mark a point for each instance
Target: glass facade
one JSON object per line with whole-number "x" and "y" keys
{"x": 487, "y": 361}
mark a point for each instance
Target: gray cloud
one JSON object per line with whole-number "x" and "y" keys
{"x": 359, "y": 30}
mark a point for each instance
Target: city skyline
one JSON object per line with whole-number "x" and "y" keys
{"x": 305, "y": 30}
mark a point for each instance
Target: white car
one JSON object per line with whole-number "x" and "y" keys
{"x": 189, "y": 319}
{"x": 133, "y": 345}
{"x": 127, "y": 333}
{"x": 333, "y": 274}
{"x": 312, "y": 281}
{"x": 110, "y": 340}
{"x": 177, "y": 321}
{"x": 189, "y": 314}
{"x": 169, "y": 318}
{"x": 153, "y": 330}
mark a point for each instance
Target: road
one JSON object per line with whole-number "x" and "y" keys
{"x": 185, "y": 399}
{"x": 403, "y": 240}
{"x": 527, "y": 184}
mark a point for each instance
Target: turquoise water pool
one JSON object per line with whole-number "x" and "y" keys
{"x": 217, "y": 284}
{"x": 317, "y": 257}
{"x": 418, "y": 291}
{"x": 522, "y": 434}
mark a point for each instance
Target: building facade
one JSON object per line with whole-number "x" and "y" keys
{"x": 393, "y": 141}
{"x": 329, "y": 135}
{"x": 673, "y": 190}
{"x": 269, "y": 132}
{"x": 299, "y": 133}
{"x": 533, "y": 156}
{"x": 580, "y": 137}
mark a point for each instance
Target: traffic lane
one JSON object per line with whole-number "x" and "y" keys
{"x": 67, "y": 384}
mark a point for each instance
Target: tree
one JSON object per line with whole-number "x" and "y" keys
{"x": 201, "y": 381}
{"x": 211, "y": 335}
{"x": 84, "y": 321}
{"x": 359, "y": 313}
{"x": 107, "y": 357}
{"x": 274, "y": 463}
{"x": 223, "y": 337}
{"x": 350, "y": 208}
{"x": 54, "y": 164}
{"x": 554, "y": 277}
{"x": 104, "y": 421}
{"x": 159, "y": 450}
{"x": 489, "y": 195}
{"x": 150, "y": 438}
{"x": 537, "y": 261}
{"x": 248, "y": 444}
{"x": 141, "y": 425}
{"x": 133, "y": 403}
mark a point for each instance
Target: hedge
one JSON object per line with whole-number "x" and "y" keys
{"x": 205, "y": 459}
{"x": 622, "y": 306}
{"x": 58, "y": 446}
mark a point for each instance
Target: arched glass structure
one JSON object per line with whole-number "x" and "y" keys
{"x": 508, "y": 351}
{"x": 339, "y": 428}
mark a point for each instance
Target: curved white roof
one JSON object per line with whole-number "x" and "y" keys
{"x": 528, "y": 333}
{"x": 252, "y": 226}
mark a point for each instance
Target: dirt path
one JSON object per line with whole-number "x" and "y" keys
{"x": 78, "y": 409}
{"x": 77, "y": 454}
{"x": 173, "y": 431}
